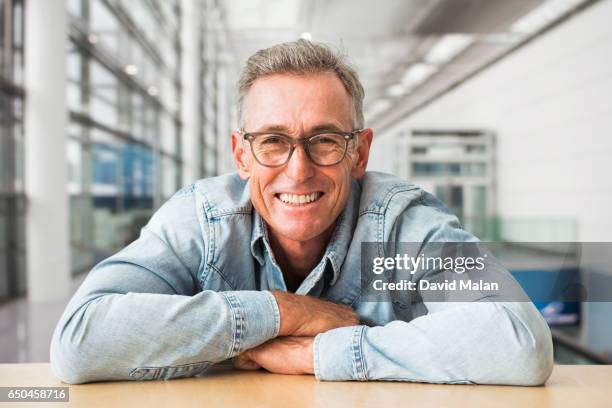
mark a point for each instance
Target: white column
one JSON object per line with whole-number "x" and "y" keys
{"x": 47, "y": 233}
{"x": 223, "y": 135}
{"x": 190, "y": 76}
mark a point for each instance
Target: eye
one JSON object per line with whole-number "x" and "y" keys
{"x": 329, "y": 140}
{"x": 271, "y": 140}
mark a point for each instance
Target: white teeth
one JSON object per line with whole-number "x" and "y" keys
{"x": 299, "y": 198}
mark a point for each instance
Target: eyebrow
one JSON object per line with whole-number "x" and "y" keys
{"x": 318, "y": 128}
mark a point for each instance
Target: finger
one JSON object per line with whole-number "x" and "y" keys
{"x": 245, "y": 363}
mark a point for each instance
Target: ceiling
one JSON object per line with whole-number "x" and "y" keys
{"x": 405, "y": 51}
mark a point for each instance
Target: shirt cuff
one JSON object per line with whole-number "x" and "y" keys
{"x": 338, "y": 355}
{"x": 256, "y": 318}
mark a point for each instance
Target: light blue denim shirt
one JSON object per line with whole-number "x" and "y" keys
{"x": 194, "y": 290}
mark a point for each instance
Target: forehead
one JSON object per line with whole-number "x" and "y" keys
{"x": 298, "y": 102}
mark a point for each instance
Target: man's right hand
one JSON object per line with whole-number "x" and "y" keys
{"x": 308, "y": 316}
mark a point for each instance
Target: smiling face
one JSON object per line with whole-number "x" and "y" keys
{"x": 299, "y": 201}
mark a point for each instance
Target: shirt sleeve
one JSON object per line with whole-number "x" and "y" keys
{"x": 483, "y": 342}
{"x": 140, "y": 314}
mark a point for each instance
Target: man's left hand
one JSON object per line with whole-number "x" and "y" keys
{"x": 282, "y": 355}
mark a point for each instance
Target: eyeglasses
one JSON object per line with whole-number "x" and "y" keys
{"x": 323, "y": 149}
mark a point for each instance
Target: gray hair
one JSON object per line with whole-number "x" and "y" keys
{"x": 301, "y": 57}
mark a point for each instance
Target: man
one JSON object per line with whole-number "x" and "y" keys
{"x": 264, "y": 266}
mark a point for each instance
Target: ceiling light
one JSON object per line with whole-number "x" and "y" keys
{"x": 544, "y": 15}
{"x": 378, "y": 106}
{"x": 396, "y": 90}
{"x": 417, "y": 73}
{"x": 131, "y": 69}
{"x": 306, "y": 36}
{"x": 152, "y": 90}
{"x": 447, "y": 48}
{"x": 501, "y": 38}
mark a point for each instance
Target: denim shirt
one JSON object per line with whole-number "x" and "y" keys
{"x": 194, "y": 290}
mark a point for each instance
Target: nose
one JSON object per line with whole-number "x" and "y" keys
{"x": 299, "y": 167}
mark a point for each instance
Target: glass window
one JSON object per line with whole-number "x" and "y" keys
{"x": 2, "y": 36}
{"x": 168, "y": 134}
{"x": 104, "y": 25}
{"x": 75, "y": 7}
{"x": 12, "y": 242}
{"x": 124, "y": 150}
{"x": 442, "y": 169}
{"x": 17, "y": 64}
{"x": 18, "y": 153}
{"x": 169, "y": 177}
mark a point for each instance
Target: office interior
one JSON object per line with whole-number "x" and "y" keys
{"x": 500, "y": 108}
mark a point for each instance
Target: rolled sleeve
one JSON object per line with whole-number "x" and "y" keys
{"x": 338, "y": 355}
{"x": 256, "y": 318}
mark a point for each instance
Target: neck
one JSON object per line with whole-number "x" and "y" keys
{"x": 297, "y": 258}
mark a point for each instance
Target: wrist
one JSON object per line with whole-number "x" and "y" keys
{"x": 286, "y": 320}
{"x": 309, "y": 355}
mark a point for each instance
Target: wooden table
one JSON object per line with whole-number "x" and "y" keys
{"x": 569, "y": 386}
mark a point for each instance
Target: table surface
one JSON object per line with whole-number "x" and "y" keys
{"x": 575, "y": 386}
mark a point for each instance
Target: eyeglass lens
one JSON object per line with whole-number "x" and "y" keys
{"x": 324, "y": 149}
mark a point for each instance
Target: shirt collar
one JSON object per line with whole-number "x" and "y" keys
{"x": 340, "y": 240}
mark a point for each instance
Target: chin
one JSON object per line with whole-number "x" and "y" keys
{"x": 298, "y": 233}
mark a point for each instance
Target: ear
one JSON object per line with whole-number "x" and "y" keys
{"x": 240, "y": 155}
{"x": 362, "y": 154}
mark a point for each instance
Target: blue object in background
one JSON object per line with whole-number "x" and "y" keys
{"x": 122, "y": 172}
{"x": 552, "y": 293}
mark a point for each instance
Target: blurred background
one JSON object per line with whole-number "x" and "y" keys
{"x": 501, "y": 108}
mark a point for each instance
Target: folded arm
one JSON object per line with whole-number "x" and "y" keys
{"x": 481, "y": 342}
{"x": 141, "y": 314}
{"x": 484, "y": 341}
